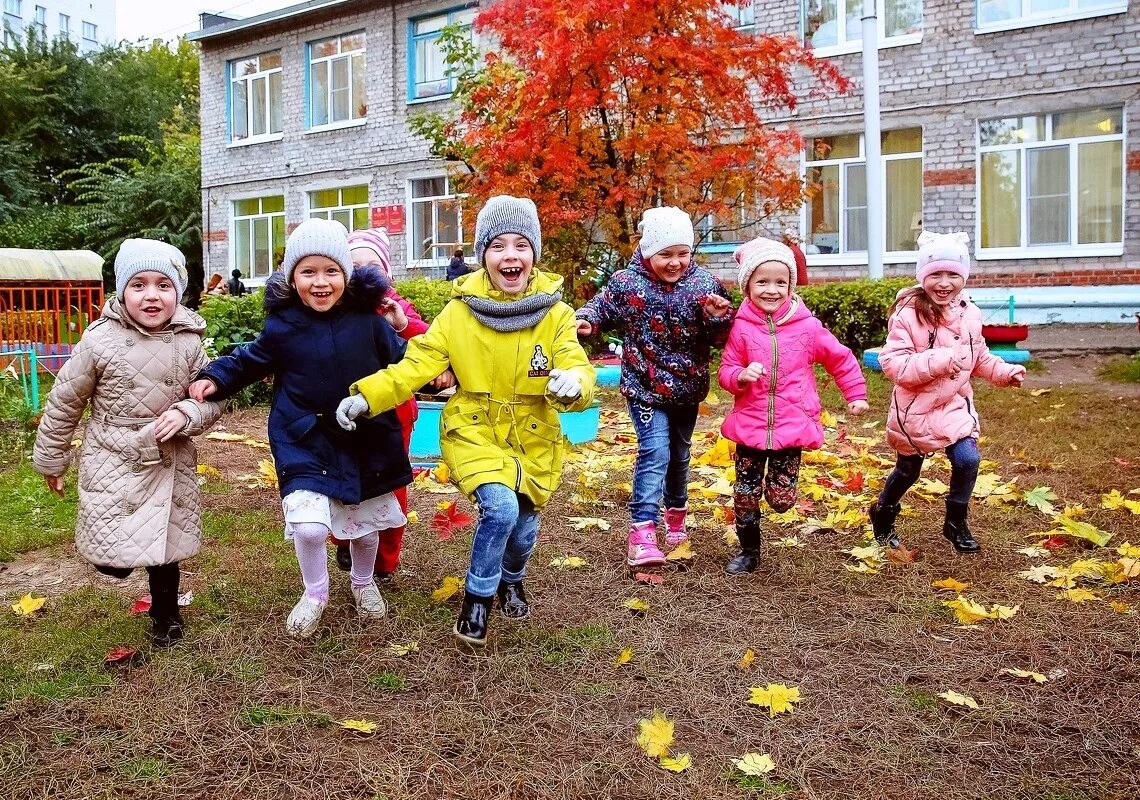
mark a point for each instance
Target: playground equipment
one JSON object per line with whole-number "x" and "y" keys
{"x": 577, "y": 426}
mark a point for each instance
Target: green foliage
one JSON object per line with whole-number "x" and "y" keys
{"x": 45, "y": 228}
{"x": 428, "y": 296}
{"x": 231, "y": 321}
{"x": 856, "y": 312}
{"x": 1124, "y": 370}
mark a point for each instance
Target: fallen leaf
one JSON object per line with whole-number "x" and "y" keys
{"x": 413, "y": 517}
{"x": 1003, "y": 612}
{"x": 359, "y": 725}
{"x": 28, "y": 605}
{"x": 1037, "y": 677}
{"x": 441, "y": 473}
{"x": 1040, "y": 392}
{"x": 871, "y": 552}
{"x": 788, "y": 541}
{"x": 747, "y": 660}
{"x": 185, "y": 599}
{"x": 1121, "y": 607}
{"x": 863, "y": 567}
{"x": 141, "y": 606}
{"x": 966, "y": 610}
{"x": 682, "y": 552}
{"x": 1129, "y": 550}
{"x": 222, "y": 436}
{"x": 903, "y": 555}
{"x": 1055, "y": 543}
{"x": 120, "y": 655}
{"x": 854, "y": 482}
{"x": 568, "y": 562}
{"x": 1034, "y": 551}
{"x": 636, "y": 605}
{"x": 652, "y": 578}
{"x": 209, "y": 473}
{"x": 624, "y": 657}
{"x": 581, "y": 523}
{"x": 1039, "y": 497}
{"x": 754, "y": 764}
{"x": 1081, "y": 530}
{"x": 776, "y": 697}
{"x": 1039, "y": 574}
{"x": 450, "y": 519}
{"x": 1078, "y": 595}
{"x": 677, "y": 763}
{"x": 959, "y": 699}
{"x": 827, "y": 419}
{"x": 401, "y": 650}
{"x": 951, "y": 584}
{"x": 654, "y": 735}
{"x": 448, "y": 587}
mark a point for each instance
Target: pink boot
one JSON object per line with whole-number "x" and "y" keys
{"x": 675, "y": 526}
{"x": 643, "y": 550}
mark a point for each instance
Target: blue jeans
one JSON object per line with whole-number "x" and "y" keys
{"x": 504, "y": 538}
{"x": 964, "y": 460}
{"x": 664, "y": 437}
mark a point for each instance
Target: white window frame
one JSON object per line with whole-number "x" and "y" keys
{"x": 849, "y": 257}
{"x": 255, "y": 279}
{"x": 94, "y": 37}
{"x": 1029, "y": 20}
{"x": 13, "y": 7}
{"x": 248, "y": 80}
{"x": 466, "y": 229}
{"x": 327, "y": 61}
{"x": 1051, "y": 250}
{"x": 450, "y": 15}
{"x": 843, "y": 47}
{"x": 326, "y": 212}
{"x": 65, "y": 25}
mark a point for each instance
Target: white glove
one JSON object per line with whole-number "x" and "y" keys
{"x": 563, "y": 385}
{"x": 349, "y": 409}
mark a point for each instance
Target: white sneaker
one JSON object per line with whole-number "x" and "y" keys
{"x": 369, "y": 602}
{"x": 305, "y": 617}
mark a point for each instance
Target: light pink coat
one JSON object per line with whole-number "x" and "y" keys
{"x": 931, "y": 406}
{"x": 782, "y": 408}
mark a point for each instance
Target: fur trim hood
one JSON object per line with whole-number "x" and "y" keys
{"x": 367, "y": 287}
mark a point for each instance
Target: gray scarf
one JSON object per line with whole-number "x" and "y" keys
{"x": 517, "y": 315}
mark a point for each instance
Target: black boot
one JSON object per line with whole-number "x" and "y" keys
{"x": 165, "y": 618}
{"x": 956, "y": 529}
{"x": 749, "y": 558}
{"x": 471, "y": 627}
{"x": 122, "y": 573}
{"x": 512, "y": 600}
{"x": 883, "y": 523}
{"x": 343, "y": 557}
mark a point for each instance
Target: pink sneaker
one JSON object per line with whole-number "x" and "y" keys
{"x": 643, "y": 551}
{"x": 675, "y": 526}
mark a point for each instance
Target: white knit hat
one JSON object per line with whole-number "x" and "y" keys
{"x": 752, "y": 254}
{"x": 317, "y": 237}
{"x": 504, "y": 213}
{"x": 149, "y": 255}
{"x": 663, "y": 227}
{"x": 943, "y": 251}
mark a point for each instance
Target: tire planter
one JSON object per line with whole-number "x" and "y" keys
{"x": 1005, "y": 334}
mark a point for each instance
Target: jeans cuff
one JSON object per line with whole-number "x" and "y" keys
{"x": 482, "y": 586}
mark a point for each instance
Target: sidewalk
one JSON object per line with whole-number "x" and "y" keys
{"x": 1061, "y": 339}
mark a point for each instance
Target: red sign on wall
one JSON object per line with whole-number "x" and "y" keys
{"x": 391, "y": 218}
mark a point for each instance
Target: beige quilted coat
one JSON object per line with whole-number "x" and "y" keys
{"x": 138, "y": 499}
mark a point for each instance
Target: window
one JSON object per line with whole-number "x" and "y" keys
{"x": 336, "y": 80}
{"x": 739, "y": 225}
{"x": 836, "y": 25}
{"x": 90, "y": 31}
{"x": 428, "y": 75}
{"x": 348, "y": 206}
{"x": 41, "y": 22}
{"x": 1005, "y": 14}
{"x": 1052, "y": 180}
{"x": 12, "y": 7}
{"x": 836, "y": 178}
{"x": 742, "y": 16}
{"x": 437, "y": 221}
{"x": 255, "y": 97}
{"x": 258, "y": 235}
{"x": 64, "y": 25}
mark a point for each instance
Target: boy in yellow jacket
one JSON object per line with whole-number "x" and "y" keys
{"x": 512, "y": 344}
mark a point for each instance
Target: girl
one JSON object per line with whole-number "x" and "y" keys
{"x": 322, "y": 333}
{"x": 510, "y": 341}
{"x": 138, "y": 485}
{"x": 671, "y": 313}
{"x": 767, "y": 365}
{"x": 934, "y": 346}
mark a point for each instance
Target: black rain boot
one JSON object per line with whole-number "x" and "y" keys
{"x": 343, "y": 557}
{"x": 749, "y": 558}
{"x": 512, "y": 600}
{"x": 471, "y": 626}
{"x": 165, "y": 618}
{"x": 883, "y": 523}
{"x": 956, "y": 529}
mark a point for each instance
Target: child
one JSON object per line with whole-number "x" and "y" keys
{"x": 767, "y": 365}
{"x": 671, "y": 313}
{"x": 510, "y": 341}
{"x": 138, "y": 484}
{"x": 322, "y": 333}
{"x": 934, "y": 346}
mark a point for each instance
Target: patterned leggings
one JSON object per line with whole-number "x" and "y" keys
{"x": 778, "y": 487}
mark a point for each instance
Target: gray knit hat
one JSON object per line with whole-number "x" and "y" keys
{"x": 506, "y": 214}
{"x": 317, "y": 237}
{"x": 149, "y": 255}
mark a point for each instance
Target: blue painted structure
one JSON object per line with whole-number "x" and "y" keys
{"x": 578, "y": 426}
{"x": 1038, "y": 305}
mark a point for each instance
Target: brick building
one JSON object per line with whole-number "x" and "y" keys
{"x": 1016, "y": 120}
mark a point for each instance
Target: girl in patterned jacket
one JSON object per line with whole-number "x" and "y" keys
{"x": 670, "y": 314}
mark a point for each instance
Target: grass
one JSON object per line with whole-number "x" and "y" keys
{"x": 1122, "y": 370}
{"x": 31, "y": 517}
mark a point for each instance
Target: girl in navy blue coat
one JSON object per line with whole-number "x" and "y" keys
{"x": 322, "y": 334}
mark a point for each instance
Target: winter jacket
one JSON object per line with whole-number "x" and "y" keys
{"x": 930, "y": 408}
{"x": 456, "y": 268}
{"x": 666, "y": 335}
{"x": 782, "y": 408}
{"x": 500, "y": 426}
{"x": 314, "y": 357}
{"x": 138, "y": 499}
{"x": 407, "y": 412}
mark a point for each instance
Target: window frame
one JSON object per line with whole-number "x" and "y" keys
{"x": 846, "y": 47}
{"x": 9, "y": 5}
{"x": 235, "y": 218}
{"x": 1030, "y": 20}
{"x": 339, "y": 186}
{"x": 94, "y": 38}
{"x": 261, "y": 74}
{"x": 353, "y": 102}
{"x": 733, "y": 10}
{"x": 414, "y": 39}
{"x": 856, "y": 257}
{"x": 39, "y": 20}
{"x": 65, "y": 24}
{"x": 417, "y": 263}
{"x": 1072, "y": 249}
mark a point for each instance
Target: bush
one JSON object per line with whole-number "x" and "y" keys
{"x": 231, "y": 321}
{"x": 45, "y": 228}
{"x": 856, "y": 312}
{"x": 428, "y": 296}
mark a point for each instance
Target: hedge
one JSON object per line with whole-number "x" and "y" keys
{"x": 428, "y": 296}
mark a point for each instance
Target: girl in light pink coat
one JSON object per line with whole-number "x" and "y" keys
{"x": 767, "y": 366}
{"x": 934, "y": 346}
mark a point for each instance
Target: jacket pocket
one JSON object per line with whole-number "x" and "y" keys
{"x": 467, "y": 440}
{"x": 540, "y": 442}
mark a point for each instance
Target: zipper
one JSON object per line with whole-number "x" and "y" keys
{"x": 518, "y": 473}
{"x": 772, "y": 382}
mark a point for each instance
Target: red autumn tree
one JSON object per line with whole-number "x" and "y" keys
{"x": 599, "y": 109}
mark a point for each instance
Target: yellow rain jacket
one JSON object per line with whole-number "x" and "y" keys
{"x": 501, "y": 426}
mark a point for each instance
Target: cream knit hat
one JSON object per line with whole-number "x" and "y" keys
{"x": 752, "y": 254}
{"x": 664, "y": 227}
{"x": 317, "y": 237}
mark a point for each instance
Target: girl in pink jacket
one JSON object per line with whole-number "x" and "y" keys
{"x": 767, "y": 366}
{"x": 934, "y": 346}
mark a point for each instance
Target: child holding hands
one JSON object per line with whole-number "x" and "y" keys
{"x": 767, "y": 366}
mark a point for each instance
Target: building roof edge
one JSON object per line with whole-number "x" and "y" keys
{"x": 269, "y": 17}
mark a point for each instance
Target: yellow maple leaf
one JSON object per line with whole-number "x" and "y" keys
{"x": 827, "y": 419}
{"x": 28, "y": 605}
{"x": 447, "y": 587}
{"x": 748, "y": 659}
{"x": 581, "y": 523}
{"x": 871, "y": 552}
{"x": 267, "y": 473}
{"x": 413, "y": 517}
{"x": 677, "y": 763}
{"x": 209, "y": 473}
{"x": 720, "y": 487}
{"x": 711, "y": 399}
{"x": 754, "y": 763}
{"x": 401, "y": 650}
{"x": 1077, "y": 595}
{"x": 637, "y": 605}
{"x": 359, "y": 725}
{"x": 222, "y": 436}
{"x": 776, "y": 697}
{"x": 568, "y": 562}
{"x": 951, "y": 584}
{"x": 1121, "y": 607}
{"x": 788, "y": 541}
{"x": 966, "y": 610}
{"x": 624, "y": 657}
{"x": 682, "y": 552}
{"x": 863, "y": 567}
{"x": 1003, "y": 612}
{"x": 932, "y": 486}
{"x": 1037, "y": 677}
{"x": 441, "y": 473}
{"x": 958, "y": 699}
{"x": 1129, "y": 550}
{"x": 654, "y": 735}
{"x": 719, "y": 455}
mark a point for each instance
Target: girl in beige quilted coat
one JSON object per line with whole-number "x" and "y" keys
{"x": 138, "y": 487}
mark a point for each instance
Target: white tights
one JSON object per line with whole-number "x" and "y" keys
{"x": 309, "y": 539}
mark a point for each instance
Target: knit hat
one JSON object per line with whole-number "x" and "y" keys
{"x": 149, "y": 255}
{"x": 317, "y": 237}
{"x": 943, "y": 251}
{"x": 752, "y": 254}
{"x": 664, "y": 227}
{"x": 376, "y": 240}
{"x": 506, "y": 214}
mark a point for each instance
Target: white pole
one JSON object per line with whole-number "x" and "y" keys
{"x": 872, "y": 144}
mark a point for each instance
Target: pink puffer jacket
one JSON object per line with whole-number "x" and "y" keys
{"x": 782, "y": 408}
{"x": 932, "y": 405}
